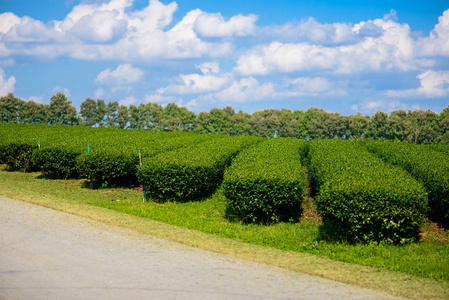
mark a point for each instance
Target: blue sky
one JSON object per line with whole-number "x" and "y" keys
{"x": 342, "y": 56}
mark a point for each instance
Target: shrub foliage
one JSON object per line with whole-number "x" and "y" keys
{"x": 265, "y": 182}
{"x": 361, "y": 198}
{"x": 191, "y": 172}
{"x": 428, "y": 165}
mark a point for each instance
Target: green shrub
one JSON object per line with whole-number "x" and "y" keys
{"x": 109, "y": 168}
{"x": 56, "y": 163}
{"x": 428, "y": 166}
{"x": 114, "y": 162}
{"x": 191, "y": 172}
{"x": 361, "y": 198}
{"x": 18, "y": 156}
{"x": 265, "y": 182}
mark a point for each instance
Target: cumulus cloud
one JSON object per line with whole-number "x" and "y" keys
{"x": 128, "y": 101}
{"x": 246, "y": 90}
{"x": 214, "y": 25}
{"x": 316, "y": 87}
{"x": 433, "y": 84}
{"x": 123, "y": 75}
{"x": 37, "y": 99}
{"x": 60, "y": 89}
{"x": 195, "y": 84}
{"x": 111, "y": 31}
{"x": 199, "y": 83}
{"x": 100, "y": 27}
{"x": 392, "y": 49}
{"x": 6, "y": 84}
{"x": 309, "y": 31}
{"x": 209, "y": 67}
{"x": 7, "y": 21}
{"x": 438, "y": 41}
{"x": 387, "y": 106}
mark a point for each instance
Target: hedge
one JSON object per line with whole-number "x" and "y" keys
{"x": 265, "y": 182}
{"x": 115, "y": 162}
{"x": 361, "y": 198}
{"x": 191, "y": 172}
{"x": 428, "y": 166}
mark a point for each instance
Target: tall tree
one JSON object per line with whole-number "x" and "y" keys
{"x": 33, "y": 113}
{"x": 378, "y": 126}
{"x": 62, "y": 112}
{"x": 122, "y": 116}
{"x": 10, "y": 106}
{"x": 444, "y": 126}
{"x": 100, "y": 113}
{"x": 87, "y": 112}
{"x": 358, "y": 125}
{"x": 177, "y": 118}
{"x": 111, "y": 114}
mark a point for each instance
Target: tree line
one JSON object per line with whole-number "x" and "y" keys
{"x": 418, "y": 126}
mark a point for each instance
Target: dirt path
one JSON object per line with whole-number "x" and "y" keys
{"x": 47, "y": 254}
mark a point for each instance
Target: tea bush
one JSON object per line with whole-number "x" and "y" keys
{"x": 361, "y": 198}
{"x": 191, "y": 172}
{"x": 265, "y": 182}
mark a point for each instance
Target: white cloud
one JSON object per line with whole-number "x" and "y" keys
{"x": 7, "y": 21}
{"x": 123, "y": 75}
{"x": 433, "y": 84}
{"x": 392, "y": 49}
{"x": 128, "y": 101}
{"x": 155, "y": 16}
{"x": 111, "y": 31}
{"x": 315, "y": 87}
{"x": 438, "y": 41}
{"x": 99, "y": 93}
{"x": 100, "y": 27}
{"x": 214, "y": 25}
{"x": 197, "y": 83}
{"x": 310, "y": 31}
{"x": 37, "y": 99}
{"x": 209, "y": 67}
{"x": 246, "y": 90}
{"x": 6, "y": 84}
{"x": 60, "y": 89}
{"x": 157, "y": 98}
{"x": 387, "y": 106}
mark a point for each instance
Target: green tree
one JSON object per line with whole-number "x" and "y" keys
{"x": 378, "y": 126}
{"x": 10, "y": 106}
{"x": 177, "y": 118}
{"x": 100, "y": 113}
{"x": 61, "y": 111}
{"x": 111, "y": 114}
{"x": 33, "y": 113}
{"x": 122, "y": 116}
{"x": 87, "y": 112}
{"x": 444, "y": 126}
{"x": 358, "y": 125}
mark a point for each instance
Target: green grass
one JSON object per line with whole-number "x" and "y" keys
{"x": 428, "y": 258}
{"x": 395, "y": 269}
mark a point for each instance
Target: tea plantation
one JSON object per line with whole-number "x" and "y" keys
{"x": 364, "y": 192}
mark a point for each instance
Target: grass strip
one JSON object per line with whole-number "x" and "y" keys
{"x": 68, "y": 196}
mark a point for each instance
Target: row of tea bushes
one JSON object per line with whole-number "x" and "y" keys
{"x": 191, "y": 172}
{"x": 429, "y": 166}
{"x": 108, "y": 156}
{"x": 116, "y": 164}
{"x": 265, "y": 182}
{"x": 362, "y": 198}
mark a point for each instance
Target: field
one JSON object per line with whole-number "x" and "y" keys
{"x": 408, "y": 243}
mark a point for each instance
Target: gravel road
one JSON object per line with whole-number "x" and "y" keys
{"x": 47, "y": 254}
